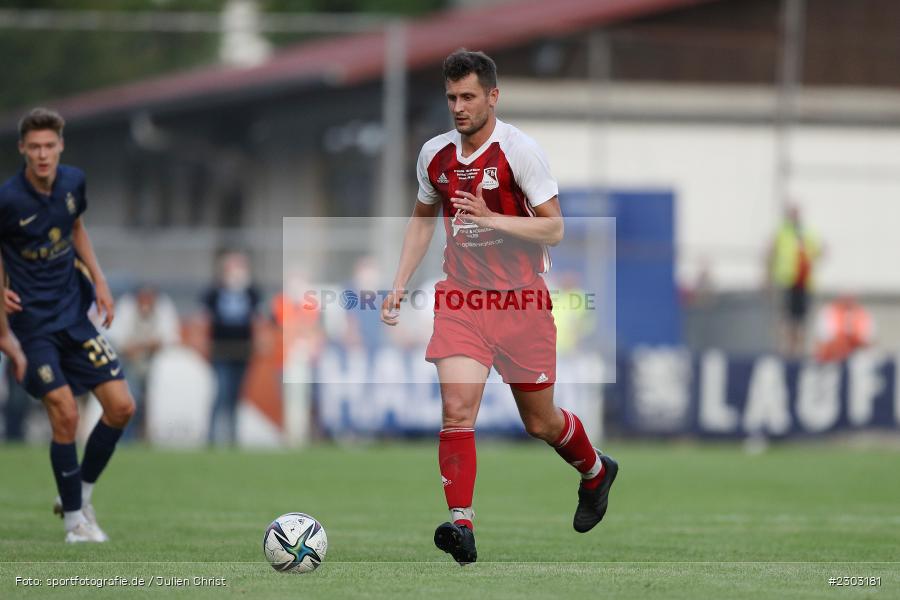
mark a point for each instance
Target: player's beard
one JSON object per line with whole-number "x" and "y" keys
{"x": 475, "y": 125}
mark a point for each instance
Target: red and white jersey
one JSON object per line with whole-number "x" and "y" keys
{"x": 516, "y": 178}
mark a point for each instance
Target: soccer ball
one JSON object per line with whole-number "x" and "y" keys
{"x": 295, "y": 543}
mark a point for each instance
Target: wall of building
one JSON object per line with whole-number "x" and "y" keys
{"x": 845, "y": 176}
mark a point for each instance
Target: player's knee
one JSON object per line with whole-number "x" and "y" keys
{"x": 121, "y": 413}
{"x": 539, "y": 428}
{"x": 458, "y": 414}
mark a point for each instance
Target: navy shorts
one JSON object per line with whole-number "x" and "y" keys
{"x": 797, "y": 303}
{"x": 78, "y": 356}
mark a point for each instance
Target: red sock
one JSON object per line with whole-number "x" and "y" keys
{"x": 576, "y": 449}
{"x": 456, "y": 453}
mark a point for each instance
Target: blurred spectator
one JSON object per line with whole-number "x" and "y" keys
{"x": 842, "y": 327}
{"x": 231, "y": 304}
{"x": 298, "y": 319}
{"x": 364, "y": 327}
{"x": 791, "y": 262}
{"x": 146, "y": 321}
{"x": 701, "y": 292}
{"x": 571, "y": 311}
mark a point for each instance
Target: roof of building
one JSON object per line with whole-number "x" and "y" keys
{"x": 357, "y": 58}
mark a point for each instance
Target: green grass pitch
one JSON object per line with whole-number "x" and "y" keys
{"x": 685, "y": 521}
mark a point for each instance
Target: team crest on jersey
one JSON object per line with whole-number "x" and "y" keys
{"x": 54, "y": 234}
{"x": 45, "y": 372}
{"x": 70, "y": 203}
{"x": 459, "y": 222}
{"x": 489, "y": 181}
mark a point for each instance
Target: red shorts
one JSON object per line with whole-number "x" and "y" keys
{"x": 511, "y": 330}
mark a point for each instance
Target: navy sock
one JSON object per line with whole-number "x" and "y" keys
{"x": 64, "y": 460}
{"x": 99, "y": 448}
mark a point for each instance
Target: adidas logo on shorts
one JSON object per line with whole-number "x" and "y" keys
{"x": 543, "y": 378}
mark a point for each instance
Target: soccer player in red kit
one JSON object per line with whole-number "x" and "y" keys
{"x": 501, "y": 211}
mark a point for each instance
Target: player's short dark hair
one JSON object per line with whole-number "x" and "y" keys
{"x": 462, "y": 62}
{"x": 39, "y": 119}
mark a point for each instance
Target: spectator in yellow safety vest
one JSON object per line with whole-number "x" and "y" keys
{"x": 791, "y": 263}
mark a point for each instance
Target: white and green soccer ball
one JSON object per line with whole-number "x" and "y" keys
{"x": 295, "y": 543}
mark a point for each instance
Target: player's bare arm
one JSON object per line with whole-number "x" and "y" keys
{"x": 85, "y": 250}
{"x": 545, "y": 228}
{"x": 416, "y": 240}
{"x": 9, "y": 343}
{"x": 12, "y": 303}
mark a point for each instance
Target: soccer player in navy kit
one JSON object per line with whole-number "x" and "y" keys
{"x": 50, "y": 266}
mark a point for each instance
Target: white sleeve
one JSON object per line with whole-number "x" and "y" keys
{"x": 531, "y": 169}
{"x": 427, "y": 194}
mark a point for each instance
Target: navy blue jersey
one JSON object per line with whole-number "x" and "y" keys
{"x": 36, "y": 244}
{"x": 232, "y": 314}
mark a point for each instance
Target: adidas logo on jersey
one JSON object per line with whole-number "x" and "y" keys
{"x": 445, "y": 481}
{"x": 442, "y": 178}
{"x": 543, "y": 378}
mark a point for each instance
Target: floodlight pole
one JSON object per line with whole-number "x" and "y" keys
{"x": 599, "y": 71}
{"x": 393, "y": 202}
{"x": 793, "y": 17}
{"x": 600, "y": 249}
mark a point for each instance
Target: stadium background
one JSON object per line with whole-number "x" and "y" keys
{"x": 211, "y": 125}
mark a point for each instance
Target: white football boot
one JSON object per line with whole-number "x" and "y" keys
{"x": 84, "y": 532}
{"x": 89, "y": 515}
